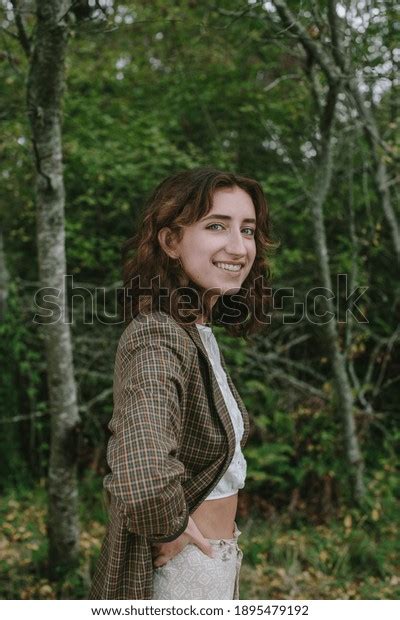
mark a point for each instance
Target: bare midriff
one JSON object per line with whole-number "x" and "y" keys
{"x": 215, "y": 517}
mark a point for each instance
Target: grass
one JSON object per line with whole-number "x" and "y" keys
{"x": 351, "y": 557}
{"x": 318, "y": 562}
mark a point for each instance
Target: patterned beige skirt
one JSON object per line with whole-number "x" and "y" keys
{"x": 194, "y": 575}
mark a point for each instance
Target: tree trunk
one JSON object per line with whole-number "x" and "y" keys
{"x": 322, "y": 183}
{"x": 45, "y": 94}
{"x": 335, "y": 67}
{"x": 375, "y": 141}
{"x": 343, "y": 391}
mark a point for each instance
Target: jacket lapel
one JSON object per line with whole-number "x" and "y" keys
{"x": 218, "y": 398}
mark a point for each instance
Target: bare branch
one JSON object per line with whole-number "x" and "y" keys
{"x": 22, "y": 35}
{"x": 336, "y": 35}
{"x": 316, "y": 89}
{"x": 311, "y": 45}
{"x": 303, "y": 386}
{"x": 275, "y": 82}
{"x": 334, "y": 70}
{"x": 11, "y": 59}
{"x": 386, "y": 357}
{"x": 97, "y": 399}
{"x": 20, "y": 418}
{"x": 235, "y": 15}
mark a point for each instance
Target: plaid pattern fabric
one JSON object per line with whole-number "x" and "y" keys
{"x": 172, "y": 440}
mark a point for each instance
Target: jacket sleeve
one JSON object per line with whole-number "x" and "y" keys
{"x": 149, "y": 383}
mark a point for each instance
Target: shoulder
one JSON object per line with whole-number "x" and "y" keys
{"x": 157, "y": 330}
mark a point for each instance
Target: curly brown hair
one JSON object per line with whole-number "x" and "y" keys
{"x": 179, "y": 201}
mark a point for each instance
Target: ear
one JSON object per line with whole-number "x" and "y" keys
{"x": 167, "y": 242}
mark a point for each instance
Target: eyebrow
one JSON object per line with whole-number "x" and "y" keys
{"x": 214, "y": 216}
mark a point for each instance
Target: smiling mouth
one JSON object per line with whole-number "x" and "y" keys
{"x": 228, "y": 268}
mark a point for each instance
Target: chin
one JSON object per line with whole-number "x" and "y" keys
{"x": 231, "y": 291}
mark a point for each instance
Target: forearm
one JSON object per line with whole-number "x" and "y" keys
{"x": 152, "y": 516}
{"x": 145, "y": 477}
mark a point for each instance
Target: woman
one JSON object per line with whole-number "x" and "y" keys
{"x": 179, "y": 425}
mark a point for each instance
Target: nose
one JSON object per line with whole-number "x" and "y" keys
{"x": 235, "y": 244}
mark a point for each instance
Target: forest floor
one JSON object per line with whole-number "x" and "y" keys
{"x": 342, "y": 559}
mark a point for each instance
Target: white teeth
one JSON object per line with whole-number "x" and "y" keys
{"x": 228, "y": 267}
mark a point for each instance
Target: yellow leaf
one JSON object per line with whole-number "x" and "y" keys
{"x": 348, "y": 521}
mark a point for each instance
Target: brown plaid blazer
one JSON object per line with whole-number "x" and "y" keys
{"x": 172, "y": 440}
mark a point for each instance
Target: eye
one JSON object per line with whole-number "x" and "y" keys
{"x": 209, "y": 227}
{"x": 251, "y": 233}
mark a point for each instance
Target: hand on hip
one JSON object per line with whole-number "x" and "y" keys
{"x": 163, "y": 552}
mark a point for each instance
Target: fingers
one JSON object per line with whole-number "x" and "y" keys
{"x": 158, "y": 563}
{"x": 206, "y": 548}
{"x": 164, "y": 552}
{"x": 197, "y": 538}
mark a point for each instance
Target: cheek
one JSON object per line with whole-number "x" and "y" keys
{"x": 253, "y": 253}
{"x": 251, "y": 263}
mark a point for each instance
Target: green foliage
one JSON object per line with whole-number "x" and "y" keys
{"x": 291, "y": 450}
{"x": 192, "y": 87}
{"x": 283, "y": 559}
{"x": 20, "y": 395}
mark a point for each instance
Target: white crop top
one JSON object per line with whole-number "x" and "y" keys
{"x": 234, "y": 477}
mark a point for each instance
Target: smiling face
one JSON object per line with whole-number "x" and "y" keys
{"x": 218, "y": 251}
